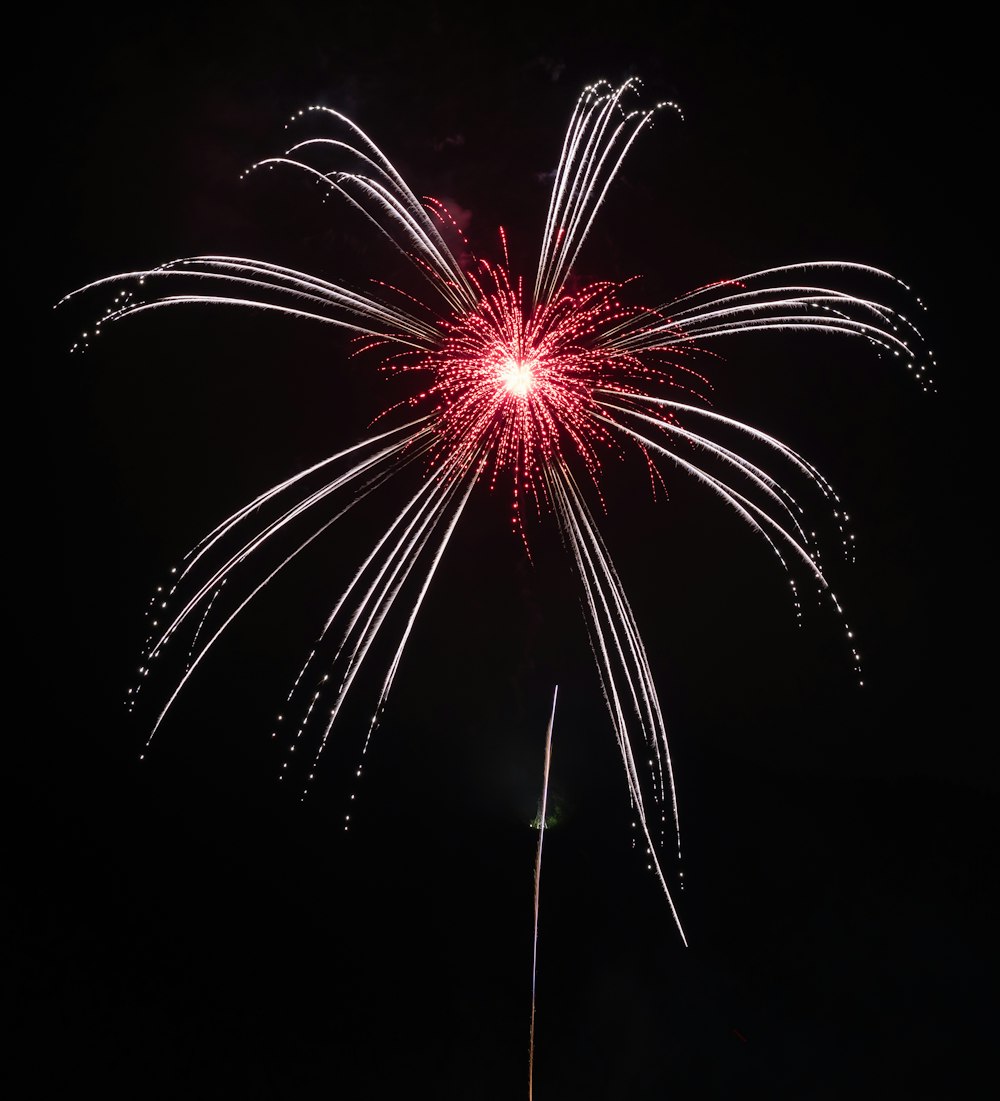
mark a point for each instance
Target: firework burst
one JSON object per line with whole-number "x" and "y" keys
{"x": 531, "y": 387}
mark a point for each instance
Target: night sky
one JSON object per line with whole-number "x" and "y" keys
{"x": 187, "y": 926}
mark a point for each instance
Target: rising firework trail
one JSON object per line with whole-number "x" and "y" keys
{"x": 532, "y": 388}
{"x": 543, "y": 811}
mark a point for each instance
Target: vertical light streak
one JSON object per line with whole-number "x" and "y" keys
{"x": 538, "y": 887}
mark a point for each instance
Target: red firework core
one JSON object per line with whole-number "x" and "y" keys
{"x": 516, "y": 385}
{"x": 518, "y": 376}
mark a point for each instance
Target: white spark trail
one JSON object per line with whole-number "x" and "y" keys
{"x": 382, "y": 594}
{"x": 379, "y": 464}
{"x": 616, "y": 644}
{"x": 583, "y": 178}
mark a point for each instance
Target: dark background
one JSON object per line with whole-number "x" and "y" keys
{"x": 191, "y": 929}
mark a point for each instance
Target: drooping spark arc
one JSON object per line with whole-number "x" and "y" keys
{"x": 534, "y": 388}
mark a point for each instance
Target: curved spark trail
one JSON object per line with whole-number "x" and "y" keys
{"x": 535, "y": 388}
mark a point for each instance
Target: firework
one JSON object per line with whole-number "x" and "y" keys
{"x": 501, "y": 384}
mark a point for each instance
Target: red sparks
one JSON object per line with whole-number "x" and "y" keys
{"x": 514, "y": 383}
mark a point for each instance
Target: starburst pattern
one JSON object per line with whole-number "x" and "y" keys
{"x": 534, "y": 388}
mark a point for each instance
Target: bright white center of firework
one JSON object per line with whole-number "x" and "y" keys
{"x": 517, "y": 377}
